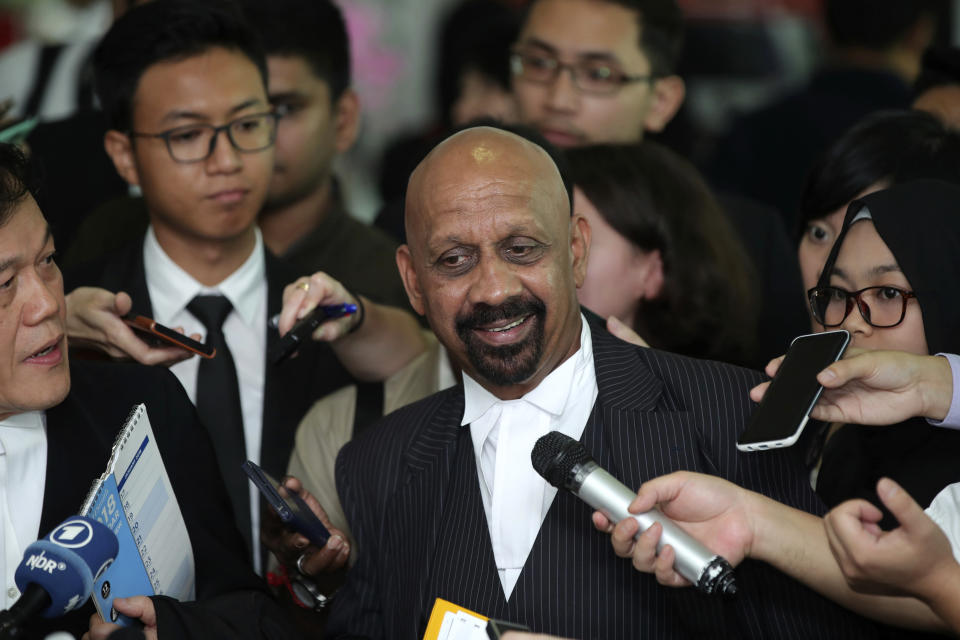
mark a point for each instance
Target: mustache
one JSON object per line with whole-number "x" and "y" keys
{"x": 514, "y": 307}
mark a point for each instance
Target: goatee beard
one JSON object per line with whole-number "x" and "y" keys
{"x": 509, "y": 364}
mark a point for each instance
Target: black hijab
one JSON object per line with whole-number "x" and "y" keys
{"x": 920, "y": 223}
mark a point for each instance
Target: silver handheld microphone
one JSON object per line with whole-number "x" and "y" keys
{"x": 565, "y": 464}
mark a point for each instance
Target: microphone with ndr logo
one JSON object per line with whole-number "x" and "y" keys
{"x": 57, "y": 573}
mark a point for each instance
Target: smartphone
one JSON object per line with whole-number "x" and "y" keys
{"x": 786, "y": 406}
{"x": 496, "y": 628}
{"x": 158, "y": 335}
{"x": 291, "y": 508}
{"x": 304, "y": 328}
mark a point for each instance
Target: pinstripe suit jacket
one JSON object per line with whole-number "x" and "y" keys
{"x": 410, "y": 491}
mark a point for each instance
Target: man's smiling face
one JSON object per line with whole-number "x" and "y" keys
{"x": 494, "y": 258}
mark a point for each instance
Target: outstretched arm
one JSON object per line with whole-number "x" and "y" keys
{"x": 879, "y": 387}
{"x": 372, "y": 345}
{"x": 94, "y": 320}
{"x": 738, "y": 524}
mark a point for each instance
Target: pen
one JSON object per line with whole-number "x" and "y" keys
{"x": 332, "y": 311}
{"x": 304, "y": 328}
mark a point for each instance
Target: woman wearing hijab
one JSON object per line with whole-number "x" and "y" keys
{"x": 884, "y": 149}
{"x": 892, "y": 279}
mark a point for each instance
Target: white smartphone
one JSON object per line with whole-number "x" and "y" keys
{"x": 786, "y": 406}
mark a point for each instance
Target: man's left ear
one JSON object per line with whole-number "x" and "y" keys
{"x": 579, "y": 248}
{"x": 347, "y": 119}
{"x": 668, "y": 94}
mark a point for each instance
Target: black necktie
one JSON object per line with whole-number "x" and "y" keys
{"x": 218, "y": 403}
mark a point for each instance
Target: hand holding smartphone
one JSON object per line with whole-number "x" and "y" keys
{"x": 157, "y": 335}
{"x": 305, "y": 327}
{"x": 791, "y": 396}
{"x": 291, "y": 508}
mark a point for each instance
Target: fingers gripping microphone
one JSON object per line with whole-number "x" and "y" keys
{"x": 565, "y": 464}
{"x": 57, "y": 573}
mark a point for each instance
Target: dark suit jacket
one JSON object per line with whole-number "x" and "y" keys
{"x": 782, "y": 313}
{"x": 289, "y": 388}
{"x": 421, "y": 530}
{"x": 80, "y": 433}
{"x": 767, "y": 154}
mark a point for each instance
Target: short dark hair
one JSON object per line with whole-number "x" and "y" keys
{"x": 657, "y": 200}
{"x": 310, "y": 29}
{"x": 871, "y": 24}
{"x": 660, "y": 24}
{"x": 887, "y": 146}
{"x": 475, "y": 35}
{"x": 16, "y": 180}
{"x": 165, "y": 31}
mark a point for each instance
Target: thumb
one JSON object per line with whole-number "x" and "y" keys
{"x": 904, "y": 508}
{"x": 855, "y": 365}
{"x": 122, "y": 303}
{"x": 656, "y": 491}
{"x": 139, "y": 607}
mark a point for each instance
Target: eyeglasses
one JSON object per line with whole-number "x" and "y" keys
{"x": 196, "y": 142}
{"x": 880, "y": 307}
{"x": 589, "y": 76}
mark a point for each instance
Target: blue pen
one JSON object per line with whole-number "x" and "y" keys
{"x": 305, "y": 328}
{"x": 331, "y": 310}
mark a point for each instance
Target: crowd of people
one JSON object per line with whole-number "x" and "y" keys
{"x": 538, "y": 266}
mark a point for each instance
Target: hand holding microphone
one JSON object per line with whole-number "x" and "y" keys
{"x": 57, "y": 573}
{"x": 565, "y": 464}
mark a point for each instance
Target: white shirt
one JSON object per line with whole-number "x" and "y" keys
{"x": 245, "y": 330}
{"x": 515, "y": 497}
{"x": 23, "y": 468}
{"x": 945, "y": 511}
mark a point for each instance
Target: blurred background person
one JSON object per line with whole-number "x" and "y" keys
{"x": 874, "y": 58}
{"x": 471, "y": 82}
{"x": 937, "y": 90}
{"x": 884, "y": 149}
{"x": 663, "y": 258}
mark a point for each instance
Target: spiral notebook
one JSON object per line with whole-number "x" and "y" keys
{"x": 135, "y": 499}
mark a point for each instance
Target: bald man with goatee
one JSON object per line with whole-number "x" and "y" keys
{"x": 455, "y": 509}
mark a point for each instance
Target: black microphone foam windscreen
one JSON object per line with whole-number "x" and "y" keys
{"x": 555, "y": 455}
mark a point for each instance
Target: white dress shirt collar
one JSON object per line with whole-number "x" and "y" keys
{"x": 551, "y": 395}
{"x": 172, "y": 288}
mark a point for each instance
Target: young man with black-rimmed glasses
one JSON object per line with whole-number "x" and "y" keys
{"x": 184, "y": 88}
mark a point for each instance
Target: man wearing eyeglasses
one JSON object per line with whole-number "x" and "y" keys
{"x": 183, "y": 86}
{"x": 591, "y": 71}
{"x": 604, "y": 71}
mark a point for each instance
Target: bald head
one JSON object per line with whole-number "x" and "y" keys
{"x": 493, "y": 258}
{"x": 477, "y": 163}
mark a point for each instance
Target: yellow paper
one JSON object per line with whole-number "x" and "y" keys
{"x": 440, "y": 609}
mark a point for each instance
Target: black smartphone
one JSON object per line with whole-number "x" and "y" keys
{"x": 157, "y": 335}
{"x": 786, "y": 406}
{"x": 291, "y": 508}
{"x": 305, "y": 327}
